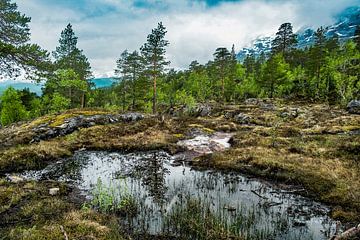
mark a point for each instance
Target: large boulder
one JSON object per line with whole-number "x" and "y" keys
{"x": 354, "y": 107}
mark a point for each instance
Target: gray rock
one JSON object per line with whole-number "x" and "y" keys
{"x": 229, "y": 114}
{"x": 267, "y": 106}
{"x": 200, "y": 110}
{"x": 14, "y": 179}
{"x": 353, "y": 107}
{"x": 290, "y": 113}
{"x": 44, "y": 131}
{"x": 242, "y": 118}
{"x": 54, "y": 191}
{"x": 131, "y": 117}
{"x": 252, "y": 101}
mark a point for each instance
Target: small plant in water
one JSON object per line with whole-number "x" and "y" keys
{"x": 113, "y": 199}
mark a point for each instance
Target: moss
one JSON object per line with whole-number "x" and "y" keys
{"x": 34, "y": 214}
{"x": 31, "y": 156}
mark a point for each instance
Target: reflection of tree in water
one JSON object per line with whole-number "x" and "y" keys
{"x": 69, "y": 169}
{"x": 152, "y": 173}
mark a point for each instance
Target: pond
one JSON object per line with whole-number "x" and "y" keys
{"x": 162, "y": 193}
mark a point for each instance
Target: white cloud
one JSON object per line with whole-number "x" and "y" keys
{"x": 194, "y": 30}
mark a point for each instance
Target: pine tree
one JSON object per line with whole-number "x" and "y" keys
{"x": 317, "y": 56}
{"x": 68, "y": 56}
{"x": 222, "y": 58}
{"x": 153, "y": 52}
{"x": 275, "y": 73}
{"x": 285, "y": 40}
{"x": 249, "y": 64}
{"x": 122, "y": 71}
{"x": 130, "y": 67}
{"x": 16, "y": 53}
{"x": 357, "y": 37}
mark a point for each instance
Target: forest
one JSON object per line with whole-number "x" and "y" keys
{"x": 328, "y": 71}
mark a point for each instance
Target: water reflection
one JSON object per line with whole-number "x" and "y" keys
{"x": 252, "y": 207}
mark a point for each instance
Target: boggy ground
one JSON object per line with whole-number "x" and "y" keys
{"x": 312, "y": 145}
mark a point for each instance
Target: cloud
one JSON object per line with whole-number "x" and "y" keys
{"x": 195, "y": 27}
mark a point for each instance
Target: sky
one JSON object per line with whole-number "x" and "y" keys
{"x": 195, "y": 28}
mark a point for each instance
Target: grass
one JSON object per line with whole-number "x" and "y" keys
{"x": 29, "y": 212}
{"x": 109, "y": 200}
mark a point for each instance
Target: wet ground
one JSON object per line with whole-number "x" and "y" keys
{"x": 150, "y": 177}
{"x": 160, "y": 183}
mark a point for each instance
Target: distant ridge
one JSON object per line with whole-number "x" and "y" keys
{"x": 36, "y": 88}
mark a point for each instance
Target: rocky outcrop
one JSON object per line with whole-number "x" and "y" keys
{"x": 46, "y": 131}
{"x": 354, "y": 107}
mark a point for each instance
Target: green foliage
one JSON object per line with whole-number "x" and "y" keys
{"x": 109, "y": 200}
{"x": 12, "y": 108}
{"x": 16, "y": 53}
{"x": 58, "y": 103}
{"x": 66, "y": 83}
{"x": 275, "y": 76}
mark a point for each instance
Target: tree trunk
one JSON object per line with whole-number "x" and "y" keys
{"x": 223, "y": 89}
{"x": 154, "y": 97}
{"x": 82, "y": 100}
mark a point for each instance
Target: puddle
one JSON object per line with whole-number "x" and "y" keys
{"x": 160, "y": 187}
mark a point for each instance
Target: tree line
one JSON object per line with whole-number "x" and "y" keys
{"x": 328, "y": 71}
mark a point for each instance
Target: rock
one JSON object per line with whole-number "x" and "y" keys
{"x": 252, "y": 101}
{"x": 45, "y": 132}
{"x": 131, "y": 117}
{"x": 290, "y": 113}
{"x": 15, "y": 179}
{"x": 200, "y": 110}
{"x": 354, "y": 107}
{"x": 54, "y": 191}
{"x": 267, "y": 106}
{"x": 204, "y": 110}
{"x": 242, "y": 118}
{"x": 229, "y": 114}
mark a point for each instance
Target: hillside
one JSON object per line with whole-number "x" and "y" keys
{"x": 343, "y": 27}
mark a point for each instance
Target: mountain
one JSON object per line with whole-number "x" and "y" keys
{"x": 36, "y": 88}
{"x": 103, "y": 82}
{"x": 344, "y": 28}
{"x": 33, "y": 87}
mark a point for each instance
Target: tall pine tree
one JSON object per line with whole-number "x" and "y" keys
{"x": 130, "y": 67}
{"x": 285, "y": 40}
{"x": 69, "y": 56}
{"x": 153, "y": 52}
{"x": 222, "y": 59}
